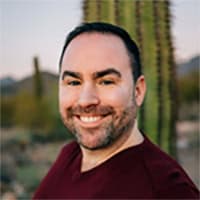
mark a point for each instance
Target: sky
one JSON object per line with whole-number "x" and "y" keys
{"x": 31, "y": 28}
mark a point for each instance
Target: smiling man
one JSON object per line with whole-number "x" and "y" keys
{"x": 101, "y": 87}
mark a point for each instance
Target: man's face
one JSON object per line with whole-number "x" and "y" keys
{"x": 96, "y": 90}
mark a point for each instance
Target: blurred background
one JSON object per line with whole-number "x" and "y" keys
{"x": 31, "y": 39}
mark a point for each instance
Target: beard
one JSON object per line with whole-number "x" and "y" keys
{"x": 115, "y": 125}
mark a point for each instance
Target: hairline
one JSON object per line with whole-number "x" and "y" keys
{"x": 131, "y": 54}
{"x": 103, "y": 33}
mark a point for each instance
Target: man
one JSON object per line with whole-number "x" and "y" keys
{"x": 101, "y": 88}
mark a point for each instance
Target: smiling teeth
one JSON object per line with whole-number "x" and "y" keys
{"x": 89, "y": 119}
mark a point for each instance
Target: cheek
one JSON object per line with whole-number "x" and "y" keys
{"x": 66, "y": 99}
{"x": 119, "y": 97}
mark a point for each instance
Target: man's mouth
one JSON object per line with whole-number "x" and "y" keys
{"x": 90, "y": 121}
{"x": 91, "y": 117}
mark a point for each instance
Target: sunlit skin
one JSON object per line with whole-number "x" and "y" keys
{"x": 98, "y": 98}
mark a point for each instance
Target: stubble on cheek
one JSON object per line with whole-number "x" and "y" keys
{"x": 124, "y": 122}
{"x": 69, "y": 124}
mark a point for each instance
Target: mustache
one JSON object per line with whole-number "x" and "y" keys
{"x": 95, "y": 110}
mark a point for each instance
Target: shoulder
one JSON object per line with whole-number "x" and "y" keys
{"x": 67, "y": 154}
{"x": 70, "y": 147}
{"x": 155, "y": 158}
{"x": 68, "y": 151}
{"x": 167, "y": 176}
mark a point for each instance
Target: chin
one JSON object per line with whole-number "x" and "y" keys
{"x": 95, "y": 143}
{"x": 94, "y": 147}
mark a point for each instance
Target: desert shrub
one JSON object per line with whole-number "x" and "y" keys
{"x": 7, "y": 110}
{"x": 189, "y": 87}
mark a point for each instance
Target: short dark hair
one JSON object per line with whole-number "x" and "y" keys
{"x": 106, "y": 28}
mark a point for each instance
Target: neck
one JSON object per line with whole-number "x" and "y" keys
{"x": 93, "y": 158}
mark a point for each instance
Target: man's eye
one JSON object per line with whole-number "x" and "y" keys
{"x": 106, "y": 82}
{"x": 73, "y": 83}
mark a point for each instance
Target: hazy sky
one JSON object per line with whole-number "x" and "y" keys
{"x": 38, "y": 27}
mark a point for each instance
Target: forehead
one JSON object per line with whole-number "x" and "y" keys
{"x": 96, "y": 51}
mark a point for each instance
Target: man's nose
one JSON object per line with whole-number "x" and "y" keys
{"x": 88, "y": 96}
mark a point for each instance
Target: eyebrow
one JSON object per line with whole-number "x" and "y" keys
{"x": 72, "y": 74}
{"x": 109, "y": 71}
{"x": 96, "y": 75}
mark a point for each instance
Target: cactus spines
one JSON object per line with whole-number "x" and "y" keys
{"x": 172, "y": 83}
{"x": 159, "y": 69}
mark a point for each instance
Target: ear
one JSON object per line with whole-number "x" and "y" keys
{"x": 140, "y": 90}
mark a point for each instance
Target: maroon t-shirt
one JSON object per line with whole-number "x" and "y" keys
{"x": 141, "y": 171}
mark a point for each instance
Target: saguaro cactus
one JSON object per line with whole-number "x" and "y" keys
{"x": 172, "y": 82}
{"x": 148, "y": 22}
{"x": 38, "y": 88}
